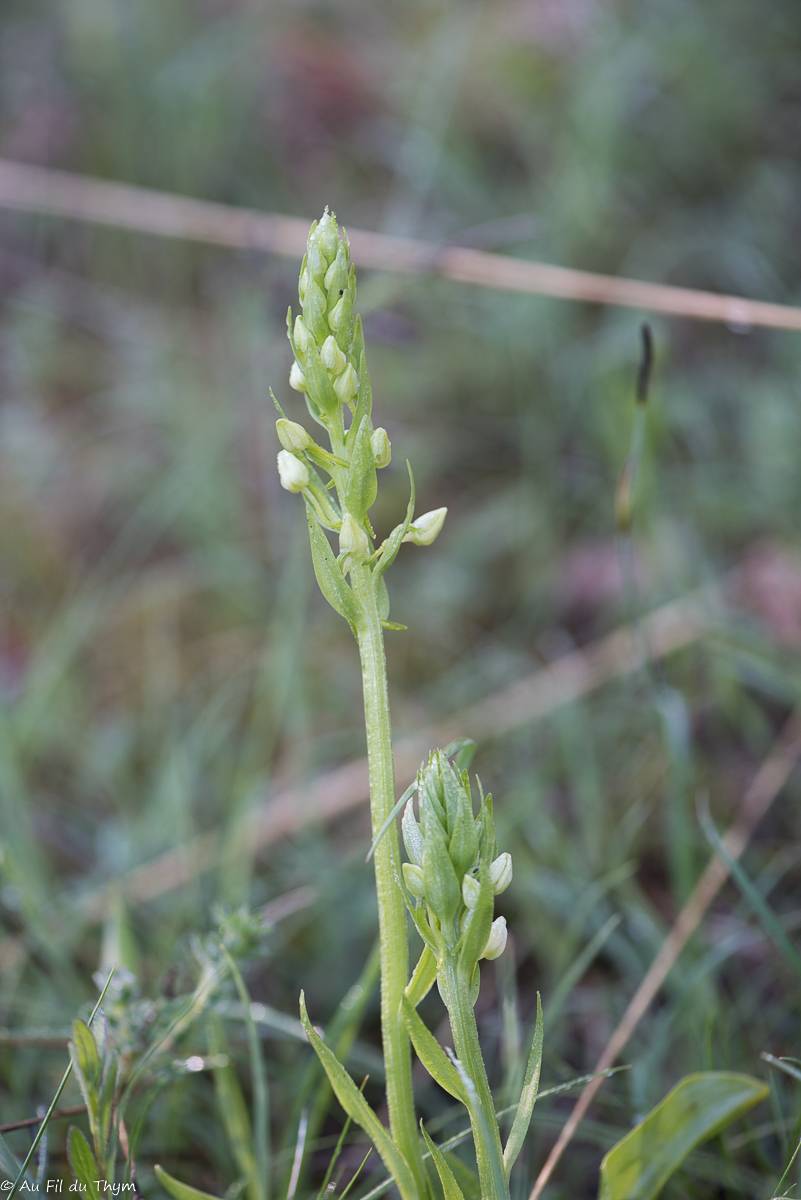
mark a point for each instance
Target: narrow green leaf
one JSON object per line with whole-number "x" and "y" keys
{"x": 357, "y": 1107}
{"x": 697, "y": 1108}
{"x": 415, "y": 912}
{"x": 340, "y": 1035}
{"x": 528, "y": 1096}
{"x": 466, "y": 1178}
{"x": 423, "y": 977}
{"x": 393, "y": 542}
{"x": 431, "y": 1054}
{"x": 364, "y": 400}
{"x": 181, "y": 1191}
{"x": 361, "y": 485}
{"x": 450, "y": 1187}
{"x": 329, "y": 575}
{"x": 82, "y": 1162}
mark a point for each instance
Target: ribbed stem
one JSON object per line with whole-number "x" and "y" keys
{"x": 387, "y": 860}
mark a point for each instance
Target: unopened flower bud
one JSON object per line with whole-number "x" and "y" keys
{"x": 336, "y": 277}
{"x": 353, "y": 540}
{"x": 382, "y": 450}
{"x": 335, "y": 315}
{"x": 347, "y": 385}
{"x": 293, "y": 437}
{"x": 301, "y": 334}
{"x": 413, "y": 877}
{"x": 471, "y": 890}
{"x": 425, "y": 529}
{"x": 496, "y": 942}
{"x": 297, "y": 379}
{"x": 500, "y": 873}
{"x": 332, "y": 356}
{"x": 293, "y": 473}
{"x": 327, "y": 235}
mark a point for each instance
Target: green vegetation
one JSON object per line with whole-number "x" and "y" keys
{"x": 165, "y": 662}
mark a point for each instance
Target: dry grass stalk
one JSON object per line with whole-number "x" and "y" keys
{"x": 26, "y": 188}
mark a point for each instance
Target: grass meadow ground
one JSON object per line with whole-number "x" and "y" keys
{"x": 167, "y": 667}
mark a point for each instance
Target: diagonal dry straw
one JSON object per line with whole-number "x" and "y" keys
{"x": 763, "y": 790}
{"x": 25, "y": 188}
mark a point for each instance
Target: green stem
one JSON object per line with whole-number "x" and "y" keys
{"x": 486, "y": 1135}
{"x": 387, "y": 859}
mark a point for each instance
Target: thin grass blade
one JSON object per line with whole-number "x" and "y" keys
{"x": 760, "y": 906}
{"x": 260, "y": 1189}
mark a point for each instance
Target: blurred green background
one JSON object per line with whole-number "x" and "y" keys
{"x": 165, "y": 659}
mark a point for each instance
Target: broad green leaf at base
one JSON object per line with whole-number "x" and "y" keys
{"x": 697, "y": 1108}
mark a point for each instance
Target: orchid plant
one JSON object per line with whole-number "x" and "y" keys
{"x": 447, "y": 888}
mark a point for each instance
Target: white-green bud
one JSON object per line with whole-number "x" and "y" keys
{"x": 293, "y": 437}
{"x": 471, "y": 890}
{"x": 347, "y": 385}
{"x": 425, "y": 529}
{"x": 335, "y": 315}
{"x": 301, "y": 334}
{"x": 331, "y": 355}
{"x": 496, "y": 942}
{"x": 353, "y": 540}
{"x": 382, "y": 450}
{"x": 297, "y": 379}
{"x": 500, "y": 873}
{"x": 305, "y": 281}
{"x": 293, "y": 473}
{"x": 413, "y": 877}
{"x": 336, "y": 277}
{"x": 327, "y": 235}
